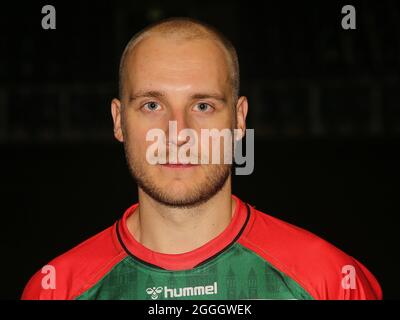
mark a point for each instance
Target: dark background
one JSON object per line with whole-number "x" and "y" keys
{"x": 324, "y": 103}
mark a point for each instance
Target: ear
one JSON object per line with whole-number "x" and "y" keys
{"x": 241, "y": 114}
{"x": 116, "y": 114}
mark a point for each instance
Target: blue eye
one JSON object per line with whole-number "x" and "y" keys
{"x": 203, "y": 107}
{"x": 151, "y": 106}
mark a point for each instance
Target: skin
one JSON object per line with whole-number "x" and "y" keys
{"x": 179, "y": 69}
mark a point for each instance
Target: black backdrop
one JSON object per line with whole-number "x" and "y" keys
{"x": 324, "y": 103}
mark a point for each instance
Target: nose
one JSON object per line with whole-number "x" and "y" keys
{"x": 177, "y": 122}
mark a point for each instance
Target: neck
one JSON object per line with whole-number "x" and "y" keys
{"x": 177, "y": 230}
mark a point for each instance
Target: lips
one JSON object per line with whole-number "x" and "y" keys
{"x": 178, "y": 165}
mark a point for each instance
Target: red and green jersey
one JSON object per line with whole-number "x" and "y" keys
{"x": 257, "y": 256}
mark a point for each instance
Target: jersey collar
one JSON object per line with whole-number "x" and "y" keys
{"x": 187, "y": 260}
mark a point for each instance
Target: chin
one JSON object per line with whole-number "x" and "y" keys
{"x": 179, "y": 189}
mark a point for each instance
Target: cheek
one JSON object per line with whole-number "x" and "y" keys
{"x": 134, "y": 129}
{"x": 226, "y": 123}
{"x": 220, "y": 120}
{"x": 135, "y": 137}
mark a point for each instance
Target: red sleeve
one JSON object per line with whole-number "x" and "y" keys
{"x": 77, "y": 270}
{"x": 323, "y": 270}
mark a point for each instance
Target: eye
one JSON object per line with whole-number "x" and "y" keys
{"x": 151, "y": 106}
{"x": 203, "y": 107}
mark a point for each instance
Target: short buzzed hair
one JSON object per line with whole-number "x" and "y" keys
{"x": 188, "y": 29}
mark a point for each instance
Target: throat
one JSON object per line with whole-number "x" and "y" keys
{"x": 178, "y": 232}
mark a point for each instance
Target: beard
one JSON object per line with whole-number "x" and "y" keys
{"x": 214, "y": 178}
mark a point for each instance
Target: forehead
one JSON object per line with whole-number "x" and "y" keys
{"x": 170, "y": 61}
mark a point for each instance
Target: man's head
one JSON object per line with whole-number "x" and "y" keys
{"x": 185, "y": 71}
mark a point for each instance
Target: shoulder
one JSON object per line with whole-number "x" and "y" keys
{"x": 71, "y": 273}
{"x": 319, "y": 267}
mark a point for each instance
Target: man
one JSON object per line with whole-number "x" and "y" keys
{"x": 188, "y": 237}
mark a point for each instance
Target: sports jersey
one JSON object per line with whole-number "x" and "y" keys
{"x": 257, "y": 256}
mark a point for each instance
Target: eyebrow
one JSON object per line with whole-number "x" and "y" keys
{"x": 160, "y": 94}
{"x": 215, "y": 96}
{"x": 146, "y": 94}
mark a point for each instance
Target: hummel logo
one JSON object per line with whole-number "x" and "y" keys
{"x": 182, "y": 292}
{"x": 154, "y": 292}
